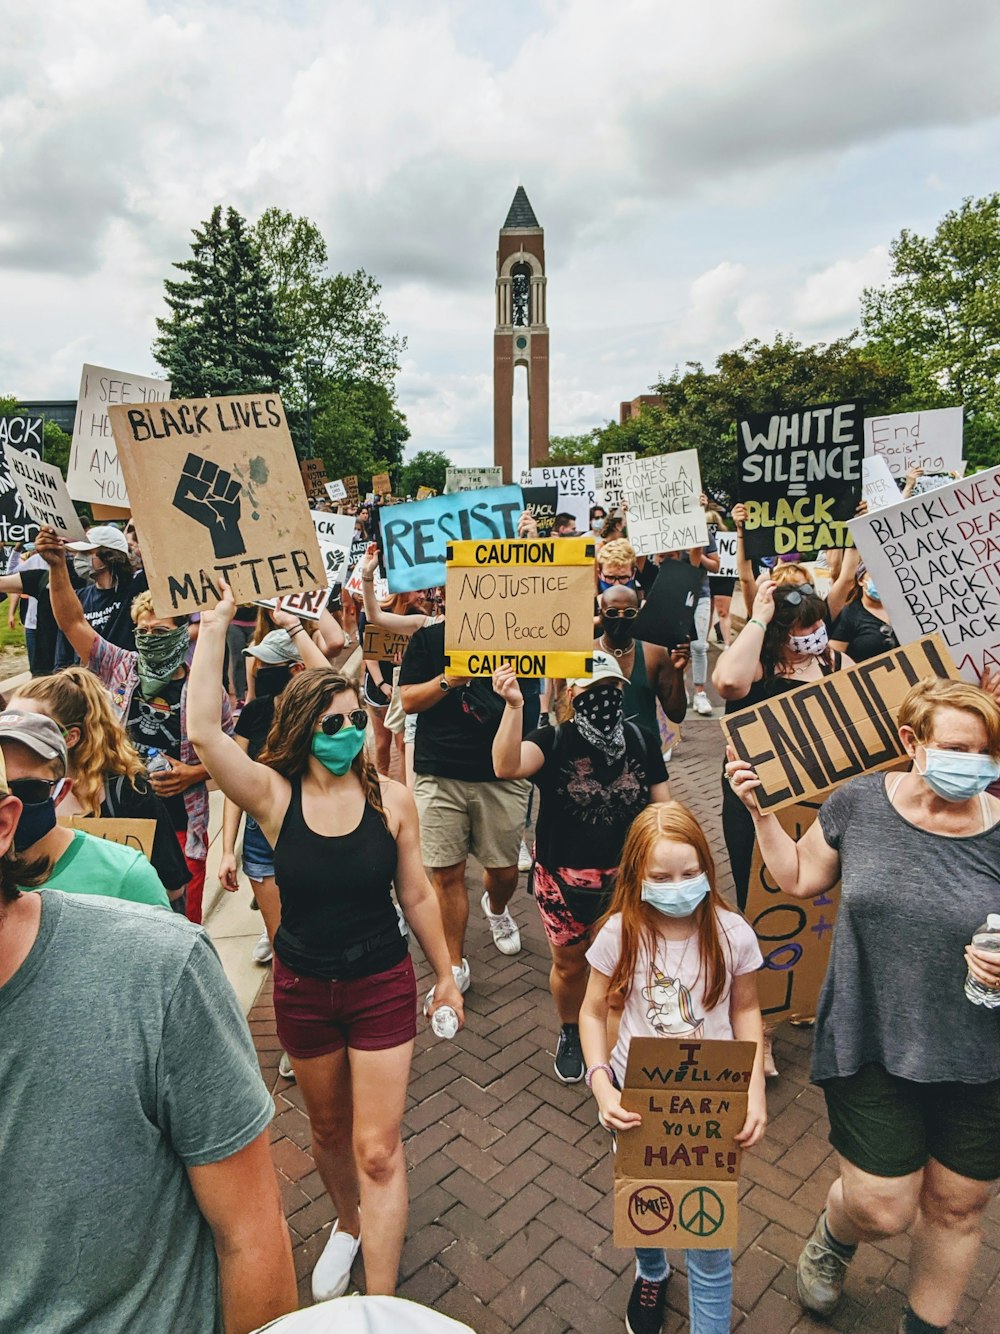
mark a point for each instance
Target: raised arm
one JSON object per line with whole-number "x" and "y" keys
{"x": 744, "y": 567}
{"x": 313, "y": 654}
{"x": 66, "y": 606}
{"x": 840, "y": 589}
{"x": 739, "y": 665}
{"x": 376, "y": 614}
{"x": 512, "y": 757}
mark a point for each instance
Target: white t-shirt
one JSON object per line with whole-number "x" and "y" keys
{"x": 666, "y": 999}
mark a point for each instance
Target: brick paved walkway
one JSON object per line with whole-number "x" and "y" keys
{"x": 510, "y": 1177}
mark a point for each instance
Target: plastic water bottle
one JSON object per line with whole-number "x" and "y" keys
{"x": 986, "y": 938}
{"x": 157, "y": 762}
{"x": 444, "y": 1020}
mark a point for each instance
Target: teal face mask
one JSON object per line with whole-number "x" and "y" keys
{"x": 675, "y": 898}
{"x": 338, "y": 752}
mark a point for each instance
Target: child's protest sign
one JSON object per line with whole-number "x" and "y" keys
{"x": 935, "y": 560}
{"x": 383, "y": 645}
{"x": 664, "y": 506}
{"x": 677, "y": 1175}
{"x": 725, "y": 546}
{"x": 877, "y": 487}
{"x": 577, "y": 489}
{"x": 94, "y": 473}
{"x": 795, "y": 935}
{"x": 216, "y": 494}
{"x": 415, "y": 536}
{"x": 611, "y": 479}
{"x": 43, "y": 491}
{"x": 136, "y": 834}
{"x": 471, "y": 479}
{"x": 800, "y": 477}
{"x": 806, "y": 741}
{"x": 930, "y": 440}
{"x": 526, "y": 603}
{"x": 540, "y": 502}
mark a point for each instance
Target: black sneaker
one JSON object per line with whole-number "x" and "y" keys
{"x": 645, "y": 1307}
{"x": 569, "y": 1055}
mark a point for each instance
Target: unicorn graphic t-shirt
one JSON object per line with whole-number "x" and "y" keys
{"x": 666, "y": 999}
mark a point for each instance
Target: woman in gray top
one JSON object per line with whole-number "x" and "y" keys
{"x": 909, "y": 1068}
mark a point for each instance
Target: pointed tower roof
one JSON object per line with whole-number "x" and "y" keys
{"x": 520, "y": 214}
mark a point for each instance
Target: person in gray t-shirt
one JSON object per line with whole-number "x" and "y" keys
{"x": 909, "y": 1068}
{"x": 136, "y": 1186}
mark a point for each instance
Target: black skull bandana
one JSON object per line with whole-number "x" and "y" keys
{"x": 600, "y": 718}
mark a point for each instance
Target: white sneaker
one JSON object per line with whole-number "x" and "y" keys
{"x": 506, "y": 936}
{"x": 524, "y": 857}
{"x": 333, "y": 1268}
{"x": 702, "y": 704}
{"x": 285, "y": 1068}
{"x": 262, "y": 952}
{"x": 463, "y": 979}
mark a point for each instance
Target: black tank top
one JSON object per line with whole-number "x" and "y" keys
{"x": 338, "y": 920}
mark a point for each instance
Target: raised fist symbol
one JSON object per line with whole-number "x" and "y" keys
{"x": 210, "y": 495}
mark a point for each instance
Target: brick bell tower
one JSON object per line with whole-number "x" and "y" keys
{"x": 521, "y": 336}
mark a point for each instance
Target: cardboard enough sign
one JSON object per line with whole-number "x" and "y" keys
{"x": 529, "y": 604}
{"x": 216, "y": 494}
{"x": 806, "y": 741}
{"x": 677, "y": 1174}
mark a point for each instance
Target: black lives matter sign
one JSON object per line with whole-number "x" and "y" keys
{"x": 25, "y": 434}
{"x": 800, "y": 477}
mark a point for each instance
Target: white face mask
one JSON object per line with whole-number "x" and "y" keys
{"x": 815, "y": 642}
{"x": 675, "y": 898}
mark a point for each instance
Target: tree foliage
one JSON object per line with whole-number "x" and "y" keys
{"x": 428, "y": 467}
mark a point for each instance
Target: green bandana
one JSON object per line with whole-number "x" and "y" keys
{"x": 160, "y": 655}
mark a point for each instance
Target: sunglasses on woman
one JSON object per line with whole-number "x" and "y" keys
{"x": 620, "y": 613}
{"x": 32, "y": 791}
{"x": 794, "y": 593}
{"x": 331, "y": 723}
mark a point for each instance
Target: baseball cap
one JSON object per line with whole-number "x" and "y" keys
{"x": 605, "y": 668}
{"x": 38, "y": 733}
{"x": 276, "y": 647}
{"x": 103, "y": 535}
{"x": 366, "y": 1315}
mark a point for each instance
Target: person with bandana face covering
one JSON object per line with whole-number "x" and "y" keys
{"x": 910, "y": 1070}
{"x": 148, "y": 689}
{"x": 345, "y": 994}
{"x": 594, "y": 773}
{"x": 652, "y": 673}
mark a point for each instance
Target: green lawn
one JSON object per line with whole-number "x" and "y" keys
{"x": 11, "y": 638}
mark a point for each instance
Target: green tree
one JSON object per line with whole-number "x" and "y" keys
{"x": 428, "y": 467}
{"x": 56, "y": 441}
{"x": 575, "y": 448}
{"x": 223, "y": 334}
{"x": 357, "y": 429}
{"x": 938, "y": 317}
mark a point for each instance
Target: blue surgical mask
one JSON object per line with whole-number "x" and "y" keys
{"x": 675, "y": 898}
{"x": 956, "y": 775}
{"x": 872, "y": 591}
{"x": 338, "y": 752}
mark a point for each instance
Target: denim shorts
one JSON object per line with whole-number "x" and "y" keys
{"x": 258, "y": 855}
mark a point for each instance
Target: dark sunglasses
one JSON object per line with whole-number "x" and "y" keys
{"x": 331, "y": 723}
{"x": 620, "y": 613}
{"x": 32, "y": 791}
{"x": 794, "y": 594}
{"x": 617, "y": 578}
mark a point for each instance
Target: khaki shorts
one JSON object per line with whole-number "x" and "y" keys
{"x": 458, "y": 818}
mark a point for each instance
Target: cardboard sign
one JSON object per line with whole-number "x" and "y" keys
{"x": 336, "y": 490}
{"x": 667, "y": 615}
{"x": 381, "y": 644}
{"x": 471, "y": 479}
{"x": 381, "y": 484}
{"x": 335, "y": 534}
{"x": 43, "y": 493}
{"x": 353, "y": 495}
{"x": 577, "y": 490}
{"x": 611, "y": 480}
{"x": 94, "y": 473}
{"x": 795, "y": 935}
{"x": 314, "y": 477}
{"x": 540, "y": 502}
{"x": 415, "y": 536}
{"x": 664, "y": 506}
{"x": 354, "y": 587}
{"x": 725, "y": 547}
{"x": 137, "y": 834}
{"x": 215, "y": 495}
{"x": 526, "y": 603}
{"x": 808, "y": 740}
{"x": 677, "y": 1174}
{"x": 425, "y": 492}
{"x": 800, "y": 477}
{"x": 929, "y": 440}
{"x": 935, "y": 560}
{"x": 877, "y": 487}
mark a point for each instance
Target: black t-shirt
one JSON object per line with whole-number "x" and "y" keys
{"x": 864, "y": 634}
{"x": 35, "y": 584}
{"x": 586, "y": 801}
{"x": 155, "y": 724}
{"x": 254, "y": 723}
{"x": 124, "y": 800}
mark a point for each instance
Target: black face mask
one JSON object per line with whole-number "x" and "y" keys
{"x": 618, "y": 631}
{"x": 272, "y": 680}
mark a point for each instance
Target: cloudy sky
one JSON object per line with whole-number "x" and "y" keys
{"x": 705, "y": 172}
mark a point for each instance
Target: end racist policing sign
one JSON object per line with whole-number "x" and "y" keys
{"x": 800, "y": 477}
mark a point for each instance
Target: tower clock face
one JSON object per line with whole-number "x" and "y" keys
{"x": 521, "y": 343}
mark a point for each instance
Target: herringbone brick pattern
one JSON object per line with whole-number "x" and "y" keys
{"x": 510, "y": 1176}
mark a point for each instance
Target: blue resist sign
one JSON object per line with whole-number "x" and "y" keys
{"x": 415, "y": 536}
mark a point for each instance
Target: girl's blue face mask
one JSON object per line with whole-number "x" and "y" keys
{"x": 675, "y": 898}
{"x": 957, "y": 775}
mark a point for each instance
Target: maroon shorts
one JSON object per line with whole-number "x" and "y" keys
{"x": 570, "y": 900}
{"x": 367, "y": 1013}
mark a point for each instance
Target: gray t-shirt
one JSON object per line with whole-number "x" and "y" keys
{"x": 124, "y": 1059}
{"x": 910, "y": 902}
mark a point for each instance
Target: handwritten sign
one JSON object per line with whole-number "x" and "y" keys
{"x": 415, "y": 536}
{"x": 803, "y": 743}
{"x": 471, "y": 479}
{"x": 94, "y": 473}
{"x": 800, "y": 477}
{"x": 795, "y": 935}
{"x": 425, "y": 492}
{"x": 307, "y": 606}
{"x": 381, "y": 484}
{"x": 335, "y": 535}
{"x": 677, "y": 1174}
{"x": 611, "y": 481}
{"x": 664, "y": 509}
{"x": 336, "y": 490}
{"x": 877, "y": 487}
{"x": 725, "y": 546}
{"x": 577, "y": 488}
{"x": 44, "y": 495}
{"x": 540, "y": 502}
{"x": 215, "y": 495}
{"x": 381, "y": 644}
{"x": 930, "y": 440}
{"x": 526, "y": 603}
{"x": 24, "y": 436}
{"x": 137, "y": 834}
{"x": 314, "y": 477}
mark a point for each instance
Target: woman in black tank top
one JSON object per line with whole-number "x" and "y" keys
{"x": 344, "y": 989}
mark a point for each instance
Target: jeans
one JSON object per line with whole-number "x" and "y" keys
{"x": 237, "y": 639}
{"x": 699, "y": 645}
{"x": 710, "y": 1285}
{"x": 29, "y": 644}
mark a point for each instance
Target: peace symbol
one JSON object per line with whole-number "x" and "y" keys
{"x": 701, "y": 1212}
{"x": 560, "y": 623}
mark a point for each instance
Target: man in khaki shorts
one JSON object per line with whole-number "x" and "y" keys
{"x": 464, "y": 808}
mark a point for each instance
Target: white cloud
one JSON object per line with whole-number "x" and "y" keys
{"x": 832, "y": 295}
